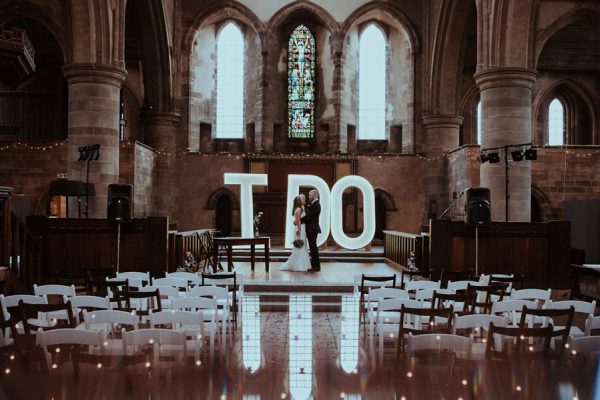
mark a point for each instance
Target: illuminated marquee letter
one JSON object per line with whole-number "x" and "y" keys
{"x": 294, "y": 183}
{"x": 337, "y": 227}
{"x": 246, "y": 181}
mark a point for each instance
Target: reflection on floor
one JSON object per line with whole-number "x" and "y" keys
{"x": 301, "y": 354}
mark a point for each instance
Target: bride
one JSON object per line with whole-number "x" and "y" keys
{"x": 299, "y": 259}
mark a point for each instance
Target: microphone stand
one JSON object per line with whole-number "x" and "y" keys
{"x": 451, "y": 205}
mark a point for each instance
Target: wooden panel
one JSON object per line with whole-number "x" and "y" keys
{"x": 69, "y": 244}
{"x": 540, "y": 251}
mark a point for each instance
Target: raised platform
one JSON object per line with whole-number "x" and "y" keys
{"x": 328, "y": 254}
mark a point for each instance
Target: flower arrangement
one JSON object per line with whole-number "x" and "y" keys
{"x": 298, "y": 243}
{"x": 257, "y": 218}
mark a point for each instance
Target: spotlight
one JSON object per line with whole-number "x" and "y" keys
{"x": 517, "y": 155}
{"x": 494, "y": 158}
{"x": 483, "y": 157}
{"x": 89, "y": 153}
{"x": 531, "y": 154}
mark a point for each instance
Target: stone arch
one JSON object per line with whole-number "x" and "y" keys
{"x": 390, "y": 204}
{"x": 543, "y": 203}
{"x": 214, "y": 197}
{"x": 580, "y": 15}
{"x": 393, "y": 12}
{"x": 17, "y": 9}
{"x": 572, "y": 94}
{"x": 285, "y": 13}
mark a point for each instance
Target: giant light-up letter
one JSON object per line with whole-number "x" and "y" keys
{"x": 246, "y": 181}
{"x": 337, "y": 210}
{"x": 294, "y": 183}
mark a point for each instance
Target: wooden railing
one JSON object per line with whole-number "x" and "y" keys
{"x": 399, "y": 245}
{"x": 584, "y": 283}
{"x": 182, "y": 242}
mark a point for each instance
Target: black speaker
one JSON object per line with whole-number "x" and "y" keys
{"x": 478, "y": 207}
{"x": 119, "y": 203}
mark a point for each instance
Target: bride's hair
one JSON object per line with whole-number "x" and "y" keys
{"x": 297, "y": 204}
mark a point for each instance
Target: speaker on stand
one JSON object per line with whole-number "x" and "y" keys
{"x": 118, "y": 210}
{"x": 478, "y": 211}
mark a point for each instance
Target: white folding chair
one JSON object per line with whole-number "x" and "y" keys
{"x": 90, "y": 303}
{"x": 164, "y": 342}
{"x": 591, "y": 324}
{"x": 542, "y": 295}
{"x": 191, "y": 277}
{"x": 208, "y": 309}
{"x": 167, "y": 294}
{"x": 221, "y": 294}
{"x": 512, "y": 309}
{"x": 585, "y": 345}
{"x": 54, "y": 290}
{"x": 107, "y": 321}
{"x": 190, "y": 322}
{"x": 70, "y": 336}
{"x": 181, "y": 284}
{"x": 420, "y": 285}
{"x": 12, "y": 301}
{"x": 136, "y": 279}
{"x": 581, "y": 307}
{"x": 388, "y": 319}
{"x": 374, "y": 296}
{"x": 460, "y": 285}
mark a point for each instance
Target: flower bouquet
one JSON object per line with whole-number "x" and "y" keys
{"x": 298, "y": 243}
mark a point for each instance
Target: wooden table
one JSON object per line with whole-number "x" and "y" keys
{"x": 238, "y": 241}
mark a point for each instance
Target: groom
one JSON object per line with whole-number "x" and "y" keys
{"x": 311, "y": 220}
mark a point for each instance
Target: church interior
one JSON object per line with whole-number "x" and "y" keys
{"x": 455, "y": 145}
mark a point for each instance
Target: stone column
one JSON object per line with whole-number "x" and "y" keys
{"x": 93, "y": 117}
{"x": 160, "y": 133}
{"x": 441, "y": 136}
{"x": 506, "y": 113}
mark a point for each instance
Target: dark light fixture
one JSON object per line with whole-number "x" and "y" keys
{"x": 531, "y": 154}
{"x": 483, "y": 157}
{"x": 494, "y": 157}
{"x": 89, "y": 153}
{"x": 517, "y": 155}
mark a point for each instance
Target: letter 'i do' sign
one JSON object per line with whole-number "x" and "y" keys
{"x": 332, "y": 209}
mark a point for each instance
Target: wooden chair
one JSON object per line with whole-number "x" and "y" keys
{"x": 463, "y": 303}
{"x": 447, "y": 276}
{"x": 95, "y": 279}
{"x": 117, "y": 290}
{"x": 143, "y": 302}
{"x": 512, "y": 280}
{"x": 530, "y": 315}
{"x": 364, "y": 288}
{"x": 522, "y": 339}
{"x": 485, "y": 305}
{"x": 417, "y": 326}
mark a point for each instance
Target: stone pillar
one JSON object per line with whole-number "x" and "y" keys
{"x": 338, "y": 138}
{"x": 506, "y": 113}
{"x": 441, "y": 136}
{"x": 94, "y": 103}
{"x": 160, "y": 133}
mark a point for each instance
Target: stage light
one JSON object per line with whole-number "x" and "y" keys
{"x": 89, "y": 153}
{"x": 494, "y": 158}
{"x": 483, "y": 157}
{"x": 517, "y": 155}
{"x": 531, "y": 154}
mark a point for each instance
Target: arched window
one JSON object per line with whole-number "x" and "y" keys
{"x": 371, "y": 84}
{"x": 479, "y": 124}
{"x": 230, "y": 83}
{"x": 301, "y": 83}
{"x": 556, "y": 123}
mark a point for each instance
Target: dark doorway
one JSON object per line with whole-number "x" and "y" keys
{"x": 535, "y": 210}
{"x": 380, "y": 217}
{"x": 223, "y": 215}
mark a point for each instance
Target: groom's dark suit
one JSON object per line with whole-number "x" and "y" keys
{"x": 311, "y": 220}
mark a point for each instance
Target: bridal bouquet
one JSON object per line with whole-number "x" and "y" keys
{"x": 298, "y": 243}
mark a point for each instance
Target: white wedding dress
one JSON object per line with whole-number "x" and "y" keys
{"x": 299, "y": 260}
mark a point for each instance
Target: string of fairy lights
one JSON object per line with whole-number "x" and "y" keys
{"x": 470, "y": 152}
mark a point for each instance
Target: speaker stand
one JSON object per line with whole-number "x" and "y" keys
{"x": 476, "y": 250}
{"x": 119, "y": 245}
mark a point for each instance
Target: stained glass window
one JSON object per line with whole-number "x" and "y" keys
{"x": 230, "y": 83}
{"x": 301, "y": 84}
{"x": 556, "y": 123}
{"x": 371, "y": 84}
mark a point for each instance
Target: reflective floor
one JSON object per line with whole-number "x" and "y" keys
{"x": 301, "y": 354}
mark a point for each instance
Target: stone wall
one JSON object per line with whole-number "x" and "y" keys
{"x": 30, "y": 170}
{"x": 463, "y": 173}
{"x": 137, "y": 168}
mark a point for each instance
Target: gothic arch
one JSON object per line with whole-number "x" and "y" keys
{"x": 217, "y": 11}
{"x": 581, "y": 15}
{"x": 390, "y": 10}
{"x": 390, "y": 204}
{"x": 570, "y": 92}
{"x": 468, "y": 110}
{"x": 543, "y": 202}
{"x": 284, "y": 13}
{"x": 24, "y": 9}
{"x": 214, "y": 197}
